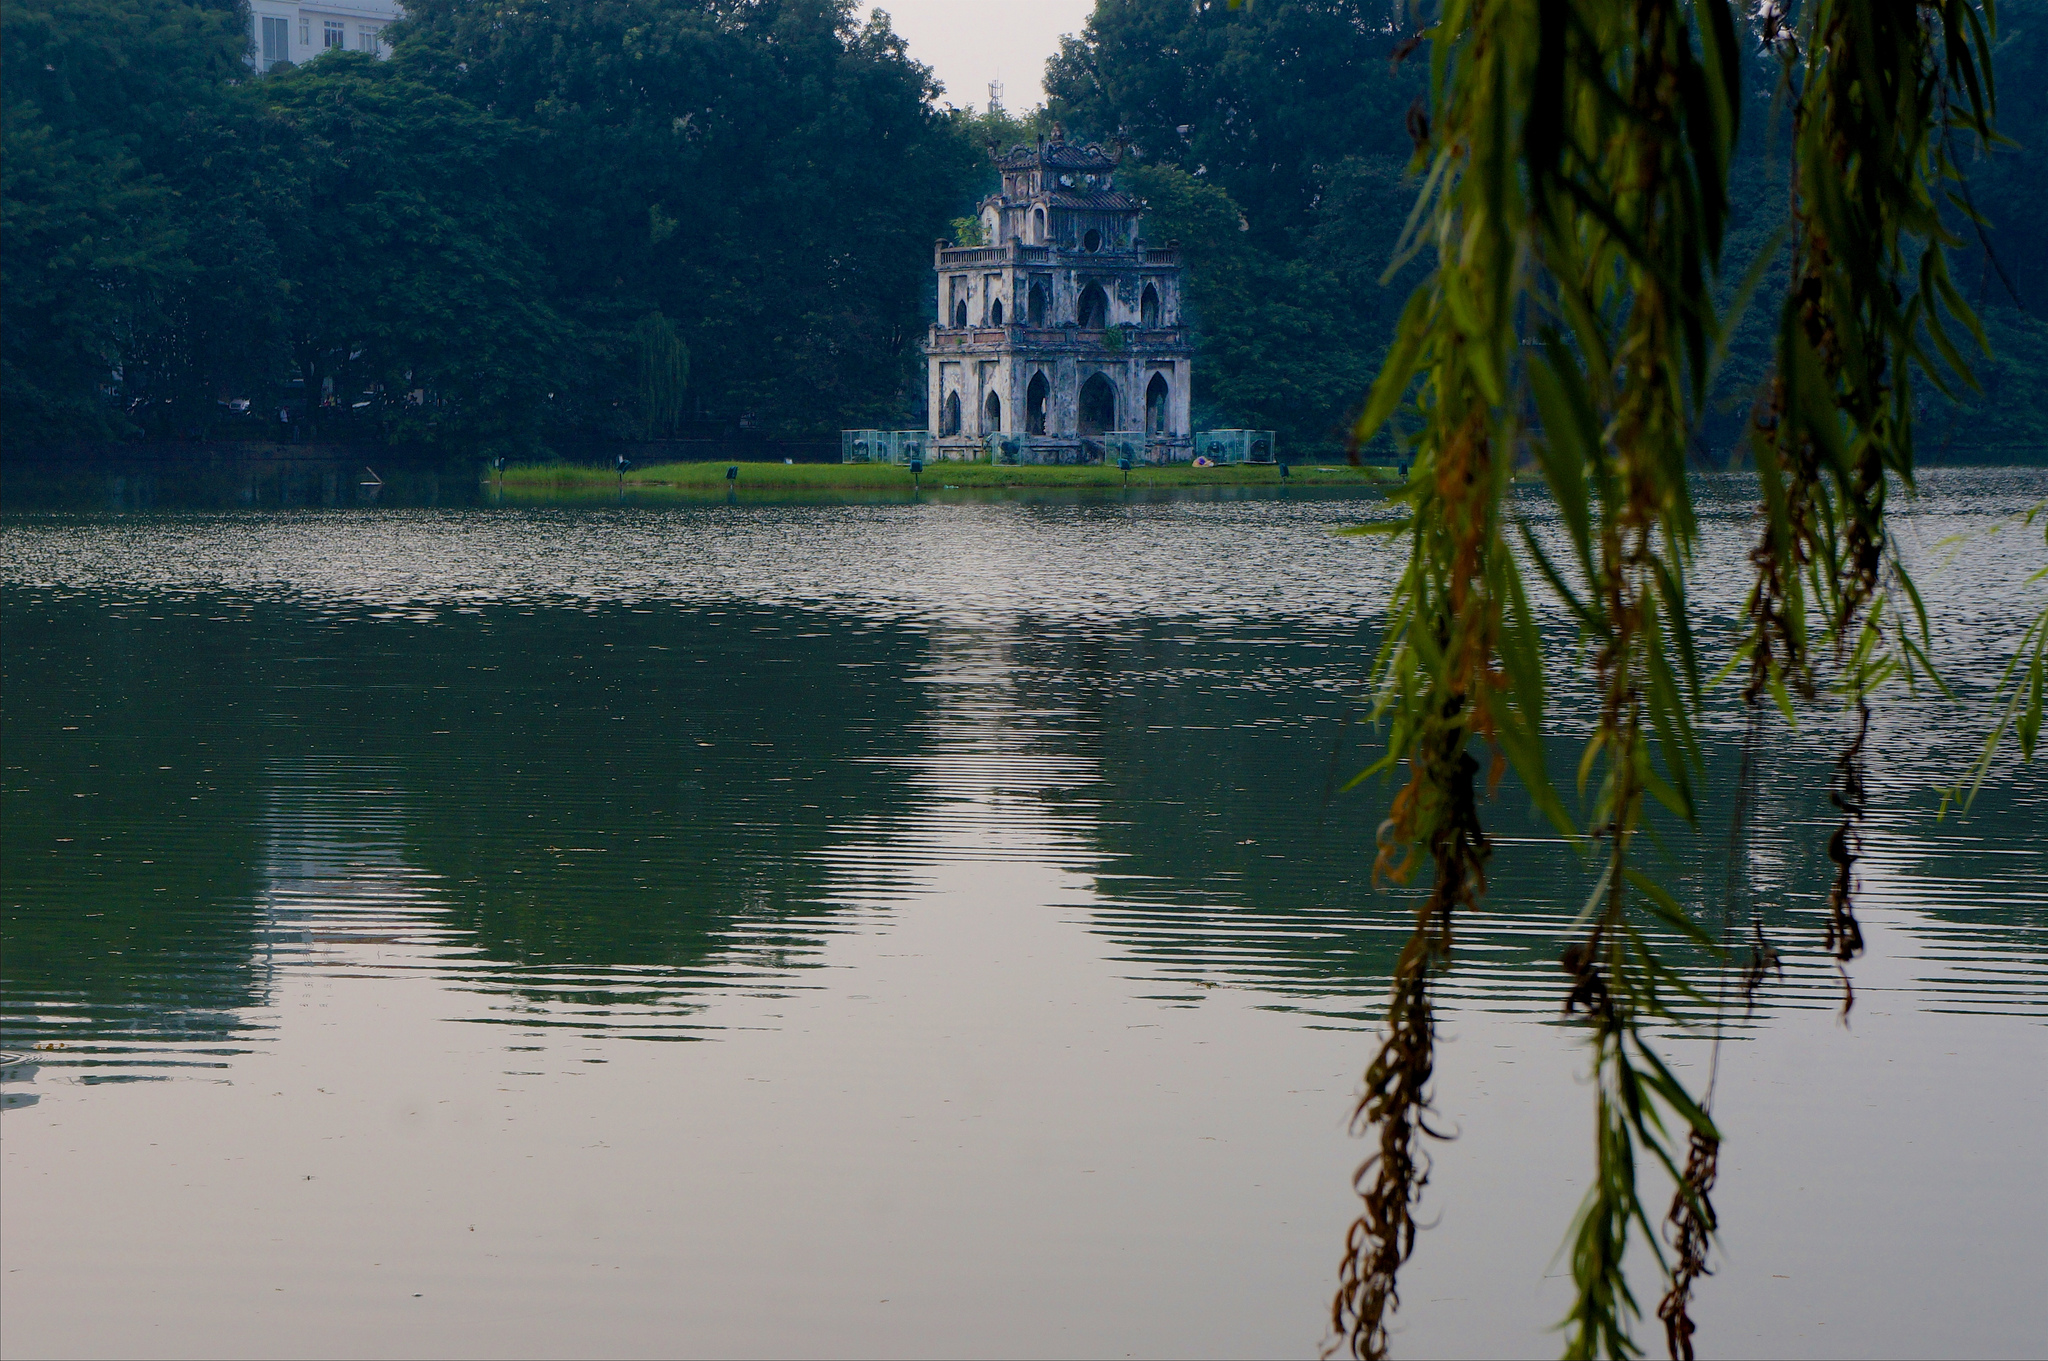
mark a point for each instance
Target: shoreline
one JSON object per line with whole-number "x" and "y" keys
{"x": 936, "y": 476}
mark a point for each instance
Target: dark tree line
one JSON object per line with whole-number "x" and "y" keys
{"x": 595, "y": 219}
{"x": 584, "y": 220}
{"x": 1273, "y": 140}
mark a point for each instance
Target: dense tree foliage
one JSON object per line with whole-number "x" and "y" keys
{"x": 1290, "y": 121}
{"x": 102, "y": 97}
{"x": 765, "y": 175}
{"x": 1277, "y": 349}
{"x": 473, "y": 242}
{"x": 415, "y": 286}
{"x": 1271, "y": 142}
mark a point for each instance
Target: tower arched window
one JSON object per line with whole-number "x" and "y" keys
{"x": 1035, "y": 303}
{"x": 1038, "y": 226}
{"x": 1158, "y": 405}
{"x": 995, "y": 312}
{"x": 992, "y": 415}
{"x": 949, "y": 415}
{"x": 1148, "y": 308}
{"x": 960, "y": 312}
{"x": 1036, "y": 398}
{"x": 1094, "y": 308}
{"x": 1098, "y": 405}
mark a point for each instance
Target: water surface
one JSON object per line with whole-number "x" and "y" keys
{"x": 908, "y": 927}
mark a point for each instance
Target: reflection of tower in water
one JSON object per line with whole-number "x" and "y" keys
{"x": 17, "y": 1070}
{"x": 335, "y": 882}
{"x": 997, "y": 762}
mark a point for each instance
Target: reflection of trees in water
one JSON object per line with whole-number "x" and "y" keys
{"x": 623, "y": 807}
{"x": 592, "y": 805}
{"x": 626, "y": 787}
{"x": 128, "y": 831}
{"x": 224, "y": 480}
{"x": 1213, "y": 847}
{"x": 1223, "y": 853}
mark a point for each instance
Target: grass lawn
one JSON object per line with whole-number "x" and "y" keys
{"x": 937, "y": 476}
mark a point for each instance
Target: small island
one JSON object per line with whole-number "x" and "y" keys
{"x": 558, "y": 478}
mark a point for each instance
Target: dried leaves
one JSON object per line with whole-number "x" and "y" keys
{"x": 1690, "y": 1229}
{"x": 1460, "y": 663}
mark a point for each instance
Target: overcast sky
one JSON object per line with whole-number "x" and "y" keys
{"x": 972, "y": 42}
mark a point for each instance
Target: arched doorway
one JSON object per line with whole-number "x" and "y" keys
{"x": 1158, "y": 405}
{"x": 1035, "y": 398}
{"x": 992, "y": 415}
{"x": 949, "y": 415}
{"x": 1148, "y": 308}
{"x": 1094, "y": 308}
{"x": 1034, "y": 304}
{"x": 1098, "y": 406}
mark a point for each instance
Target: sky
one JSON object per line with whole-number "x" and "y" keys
{"x": 969, "y": 43}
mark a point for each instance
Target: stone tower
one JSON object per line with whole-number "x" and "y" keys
{"x": 1066, "y": 329}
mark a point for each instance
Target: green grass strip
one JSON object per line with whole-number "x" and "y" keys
{"x": 937, "y": 476}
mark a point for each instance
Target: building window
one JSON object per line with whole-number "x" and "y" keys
{"x": 333, "y": 35}
{"x": 995, "y": 312}
{"x": 1034, "y": 304}
{"x": 277, "y": 42}
{"x": 305, "y": 31}
{"x": 992, "y": 415}
{"x": 1148, "y": 308}
{"x": 1094, "y": 309}
{"x": 1092, "y": 242}
{"x": 960, "y": 313}
{"x": 1098, "y": 406}
{"x": 1038, "y": 226}
{"x": 366, "y": 38}
{"x": 949, "y": 415}
{"x": 1034, "y": 404}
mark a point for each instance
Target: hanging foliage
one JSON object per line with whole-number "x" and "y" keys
{"x": 1574, "y": 157}
{"x": 1460, "y": 660}
{"x": 1884, "y": 97}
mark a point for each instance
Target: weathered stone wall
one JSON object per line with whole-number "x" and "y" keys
{"x": 1060, "y": 226}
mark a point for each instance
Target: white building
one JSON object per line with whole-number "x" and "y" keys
{"x": 298, "y": 33}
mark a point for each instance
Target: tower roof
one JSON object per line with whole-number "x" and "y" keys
{"x": 1058, "y": 155}
{"x": 1073, "y": 175}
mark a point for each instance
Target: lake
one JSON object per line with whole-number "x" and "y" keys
{"x": 913, "y": 927}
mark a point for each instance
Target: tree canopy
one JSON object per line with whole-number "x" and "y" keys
{"x": 464, "y": 244}
{"x": 1273, "y": 140}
